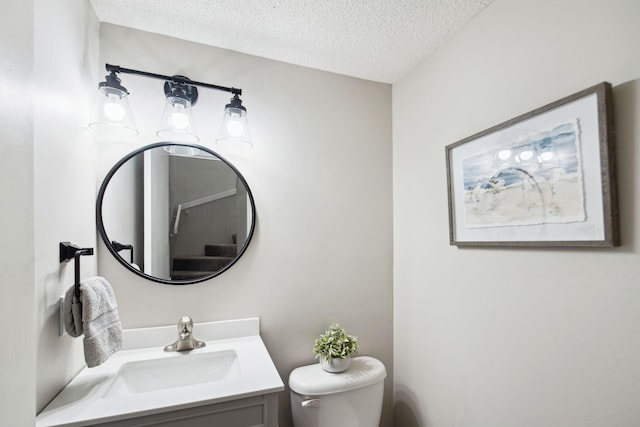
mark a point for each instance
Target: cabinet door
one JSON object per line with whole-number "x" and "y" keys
{"x": 250, "y": 416}
{"x": 249, "y": 412}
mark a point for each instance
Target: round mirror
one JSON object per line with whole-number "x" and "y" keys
{"x": 175, "y": 213}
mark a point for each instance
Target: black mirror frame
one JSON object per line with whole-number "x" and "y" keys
{"x": 108, "y": 244}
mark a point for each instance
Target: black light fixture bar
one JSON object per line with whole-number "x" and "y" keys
{"x": 175, "y": 79}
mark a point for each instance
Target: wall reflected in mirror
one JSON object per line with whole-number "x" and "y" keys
{"x": 175, "y": 213}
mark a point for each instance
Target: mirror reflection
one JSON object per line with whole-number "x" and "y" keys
{"x": 175, "y": 213}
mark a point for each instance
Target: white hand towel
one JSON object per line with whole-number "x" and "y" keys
{"x": 94, "y": 314}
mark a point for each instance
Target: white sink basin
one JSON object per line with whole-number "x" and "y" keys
{"x": 146, "y": 380}
{"x": 185, "y": 370}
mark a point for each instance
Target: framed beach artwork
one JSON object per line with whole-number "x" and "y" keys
{"x": 546, "y": 178}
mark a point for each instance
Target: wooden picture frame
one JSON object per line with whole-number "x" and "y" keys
{"x": 545, "y": 178}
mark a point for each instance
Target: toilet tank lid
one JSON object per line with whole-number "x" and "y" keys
{"x": 312, "y": 380}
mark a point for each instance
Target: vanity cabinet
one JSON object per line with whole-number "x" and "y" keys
{"x": 259, "y": 411}
{"x": 230, "y": 382}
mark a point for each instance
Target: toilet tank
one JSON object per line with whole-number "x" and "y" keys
{"x": 348, "y": 399}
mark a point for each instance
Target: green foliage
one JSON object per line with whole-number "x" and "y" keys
{"x": 335, "y": 343}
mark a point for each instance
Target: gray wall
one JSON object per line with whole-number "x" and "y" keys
{"x": 48, "y": 52}
{"x": 66, "y": 54}
{"x": 17, "y": 313}
{"x": 504, "y": 337}
{"x": 320, "y": 172}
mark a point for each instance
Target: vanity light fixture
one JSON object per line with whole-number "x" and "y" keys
{"x": 234, "y": 127}
{"x": 177, "y": 122}
{"x": 111, "y": 107}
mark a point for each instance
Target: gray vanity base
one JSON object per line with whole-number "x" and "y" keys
{"x": 260, "y": 411}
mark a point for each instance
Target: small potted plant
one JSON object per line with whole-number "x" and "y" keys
{"x": 334, "y": 348}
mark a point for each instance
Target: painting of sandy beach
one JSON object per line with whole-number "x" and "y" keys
{"x": 533, "y": 179}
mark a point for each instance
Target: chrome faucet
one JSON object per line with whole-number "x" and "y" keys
{"x": 185, "y": 339}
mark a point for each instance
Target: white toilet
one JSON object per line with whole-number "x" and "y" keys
{"x": 348, "y": 399}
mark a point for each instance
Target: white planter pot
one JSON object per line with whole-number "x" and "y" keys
{"x": 335, "y": 365}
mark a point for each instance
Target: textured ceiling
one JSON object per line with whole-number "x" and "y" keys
{"x": 376, "y": 40}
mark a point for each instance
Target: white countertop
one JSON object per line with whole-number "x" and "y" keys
{"x": 82, "y": 402}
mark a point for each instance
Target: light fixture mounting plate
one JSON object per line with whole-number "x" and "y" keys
{"x": 180, "y": 86}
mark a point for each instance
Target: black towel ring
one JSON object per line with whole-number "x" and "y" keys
{"x": 69, "y": 251}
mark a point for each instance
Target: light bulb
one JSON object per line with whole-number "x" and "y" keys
{"x": 179, "y": 121}
{"x": 176, "y": 123}
{"x": 235, "y": 128}
{"x": 179, "y": 117}
{"x": 113, "y": 109}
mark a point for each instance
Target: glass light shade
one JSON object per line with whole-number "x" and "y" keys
{"x": 111, "y": 112}
{"x": 182, "y": 150}
{"x": 177, "y": 121}
{"x": 234, "y": 131}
